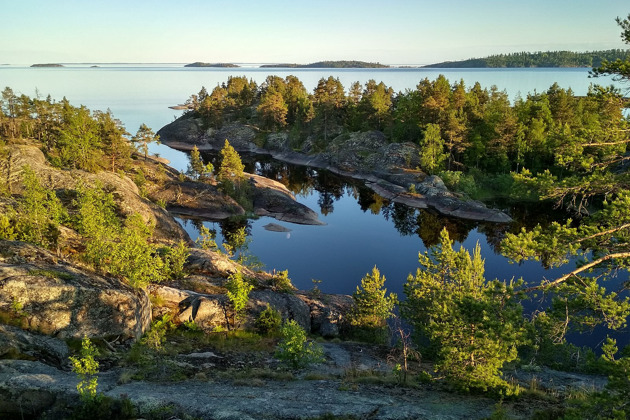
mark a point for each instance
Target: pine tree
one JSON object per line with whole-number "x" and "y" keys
{"x": 231, "y": 169}
{"x": 474, "y": 325}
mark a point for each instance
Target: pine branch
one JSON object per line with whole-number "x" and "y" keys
{"x": 577, "y": 271}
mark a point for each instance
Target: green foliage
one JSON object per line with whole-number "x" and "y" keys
{"x": 281, "y": 282}
{"x": 197, "y": 169}
{"x": 206, "y": 238}
{"x": 133, "y": 258}
{"x": 268, "y": 321}
{"x": 156, "y": 336}
{"x": 294, "y": 349}
{"x": 432, "y": 155}
{"x": 80, "y": 144}
{"x": 238, "y": 294}
{"x": 460, "y": 182}
{"x": 175, "y": 259}
{"x": 617, "y": 65}
{"x": 475, "y": 325}
{"x": 86, "y": 369}
{"x": 372, "y": 306}
{"x": 144, "y": 136}
{"x": 7, "y": 222}
{"x": 236, "y": 241}
{"x": 141, "y": 182}
{"x": 123, "y": 250}
{"x": 39, "y": 212}
{"x": 600, "y": 242}
{"x": 231, "y": 170}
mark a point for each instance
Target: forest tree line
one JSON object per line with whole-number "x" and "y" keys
{"x": 539, "y": 59}
{"x": 463, "y": 127}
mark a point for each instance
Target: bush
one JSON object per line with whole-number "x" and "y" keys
{"x": 460, "y": 182}
{"x": 268, "y": 321}
{"x": 86, "y": 369}
{"x": 294, "y": 349}
{"x": 281, "y": 282}
{"x": 156, "y": 336}
{"x": 238, "y": 294}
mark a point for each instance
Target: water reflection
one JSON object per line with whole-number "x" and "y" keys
{"x": 425, "y": 224}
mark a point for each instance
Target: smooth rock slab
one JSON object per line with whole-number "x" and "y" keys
{"x": 60, "y": 299}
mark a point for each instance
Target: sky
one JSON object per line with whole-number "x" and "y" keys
{"x": 273, "y": 31}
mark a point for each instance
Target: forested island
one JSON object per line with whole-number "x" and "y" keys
{"x": 343, "y": 64}
{"x": 108, "y": 309}
{"x": 539, "y": 59}
{"x": 219, "y": 65}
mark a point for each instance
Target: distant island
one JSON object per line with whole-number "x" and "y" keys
{"x": 345, "y": 64}
{"x": 539, "y": 59}
{"x": 200, "y": 64}
{"x": 47, "y": 65}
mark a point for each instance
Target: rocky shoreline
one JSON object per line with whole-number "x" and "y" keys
{"x": 390, "y": 181}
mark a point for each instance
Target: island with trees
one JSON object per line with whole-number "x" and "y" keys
{"x": 108, "y": 309}
{"x": 342, "y": 64}
{"x": 53, "y": 65}
{"x": 219, "y": 65}
{"x": 539, "y": 59}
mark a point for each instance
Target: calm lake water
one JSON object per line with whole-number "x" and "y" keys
{"x": 354, "y": 239}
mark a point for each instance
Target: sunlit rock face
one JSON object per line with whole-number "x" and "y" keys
{"x": 40, "y": 293}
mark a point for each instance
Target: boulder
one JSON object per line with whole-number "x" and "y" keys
{"x": 210, "y": 311}
{"x": 273, "y": 199}
{"x": 240, "y": 136}
{"x": 432, "y": 186}
{"x": 57, "y": 298}
{"x": 28, "y": 388}
{"x": 328, "y": 313}
{"x": 291, "y": 306}
{"x": 214, "y": 264}
{"x": 16, "y": 343}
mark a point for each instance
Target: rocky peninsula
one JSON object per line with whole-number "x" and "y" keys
{"x": 384, "y": 167}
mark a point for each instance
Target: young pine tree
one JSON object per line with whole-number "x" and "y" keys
{"x": 372, "y": 307}
{"x": 231, "y": 170}
{"x": 474, "y": 325}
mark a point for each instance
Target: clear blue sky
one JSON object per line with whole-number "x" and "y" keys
{"x": 392, "y": 32}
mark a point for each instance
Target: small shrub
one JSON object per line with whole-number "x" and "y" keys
{"x": 156, "y": 336}
{"x": 268, "y": 321}
{"x": 86, "y": 369}
{"x": 315, "y": 292}
{"x": 206, "y": 238}
{"x": 281, "y": 282}
{"x": 295, "y": 350}
{"x": 192, "y": 326}
{"x": 238, "y": 294}
{"x": 176, "y": 259}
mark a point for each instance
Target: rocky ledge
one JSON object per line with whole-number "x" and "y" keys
{"x": 162, "y": 184}
{"x": 364, "y": 156}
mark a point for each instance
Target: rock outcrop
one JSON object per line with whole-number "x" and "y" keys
{"x": 125, "y": 192}
{"x": 325, "y": 315}
{"x": 364, "y": 156}
{"x": 273, "y": 199}
{"x": 16, "y": 343}
{"x": 44, "y": 294}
